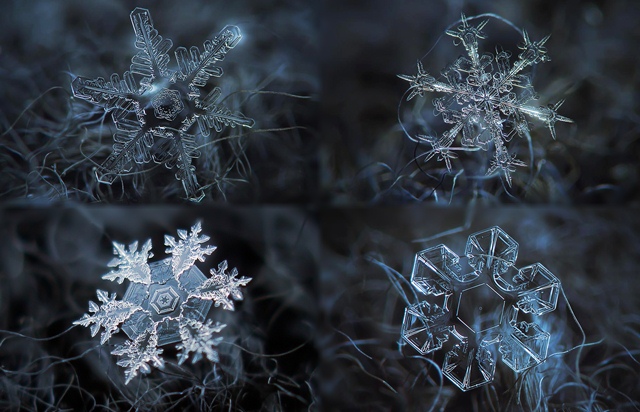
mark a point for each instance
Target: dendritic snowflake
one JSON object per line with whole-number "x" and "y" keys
{"x": 484, "y": 303}
{"x": 488, "y": 106}
{"x": 166, "y": 302}
{"x": 176, "y": 98}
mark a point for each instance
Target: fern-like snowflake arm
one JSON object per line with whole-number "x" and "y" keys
{"x": 188, "y": 249}
{"x": 178, "y": 148}
{"x": 152, "y": 59}
{"x": 109, "y": 315}
{"x": 424, "y": 82}
{"x": 222, "y": 287}
{"x": 196, "y": 68}
{"x": 217, "y": 116}
{"x": 137, "y": 355}
{"x": 132, "y": 144}
{"x": 114, "y": 94}
{"x": 131, "y": 264}
{"x": 198, "y": 337}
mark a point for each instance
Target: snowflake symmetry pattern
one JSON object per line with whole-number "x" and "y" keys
{"x": 159, "y": 113}
{"x": 167, "y": 306}
{"x": 479, "y": 305}
{"x": 487, "y": 107}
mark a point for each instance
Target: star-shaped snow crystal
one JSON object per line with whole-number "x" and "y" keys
{"x": 168, "y": 307}
{"x": 486, "y": 99}
{"x": 159, "y": 112}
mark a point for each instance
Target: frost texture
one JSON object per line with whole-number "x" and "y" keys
{"x": 485, "y": 98}
{"x": 166, "y": 307}
{"x": 154, "y": 108}
{"x": 482, "y": 301}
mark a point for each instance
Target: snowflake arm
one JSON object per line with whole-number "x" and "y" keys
{"x": 114, "y": 94}
{"x": 109, "y": 315}
{"x": 131, "y": 264}
{"x": 152, "y": 59}
{"x": 197, "y": 337}
{"x": 138, "y": 354}
{"x": 217, "y": 116}
{"x": 196, "y": 67}
{"x": 178, "y": 148}
{"x": 222, "y": 287}
{"x": 188, "y": 249}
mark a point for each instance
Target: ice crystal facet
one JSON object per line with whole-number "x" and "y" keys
{"x": 484, "y": 303}
{"x": 168, "y": 306}
{"x": 155, "y": 108}
{"x": 486, "y": 99}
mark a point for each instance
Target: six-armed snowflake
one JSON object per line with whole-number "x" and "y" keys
{"x": 154, "y": 109}
{"x": 484, "y": 303}
{"x": 166, "y": 302}
{"x": 489, "y": 107}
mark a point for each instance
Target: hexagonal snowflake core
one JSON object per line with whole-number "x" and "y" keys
{"x": 167, "y": 104}
{"x": 490, "y": 310}
{"x": 480, "y": 308}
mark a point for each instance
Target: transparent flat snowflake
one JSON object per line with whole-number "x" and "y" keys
{"x": 154, "y": 109}
{"x": 166, "y": 302}
{"x": 480, "y": 305}
{"x": 485, "y": 98}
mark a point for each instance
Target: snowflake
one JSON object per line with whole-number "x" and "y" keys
{"x": 174, "y": 96}
{"x": 487, "y": 308}
{"x": 167, "y": 306}
{"x": 489, "y": 107}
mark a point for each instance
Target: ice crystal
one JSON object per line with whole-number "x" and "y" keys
{"x": 484, "y": 303}
{"x": 167, "y": 306}
{"x": 176, "y": 98}
{"x": 485, "y": 98}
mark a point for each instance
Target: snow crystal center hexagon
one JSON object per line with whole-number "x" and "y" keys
{"x": 167, "y": 104}
{"x": 166, "y": 302}
{"x": 164, "y": 137}
{"x": 478, "y": 306}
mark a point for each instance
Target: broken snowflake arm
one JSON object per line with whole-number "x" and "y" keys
{"x": 479, "y": 305}
{"x": 166, "y": 302}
